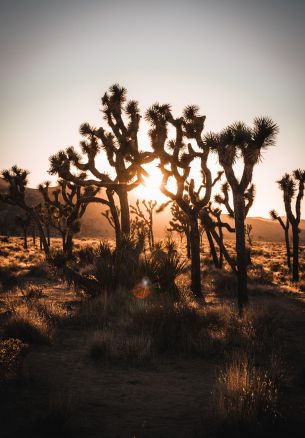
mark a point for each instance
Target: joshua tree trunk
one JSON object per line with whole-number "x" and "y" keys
{"x": 195, "y": 258}
{"x": 41, "y": 232}
{"x": 295, "y": 260}
{"x": 207, "y": 223}
{"x": 241, "y": 259}
{"x": 212, "y": 249}
{"x": 69, "y": 245}
{"x": 188, "y": 244}
{"x": 25, "y": 238}
{"x": 125, "y": 216}
{"x": 48, "y": 235}
{"x": 34, "y": 235}
{"x": 288, "y": 248}
{"x": 220, "y": 248}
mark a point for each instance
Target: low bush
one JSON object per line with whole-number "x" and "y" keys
{"x": 29, "y": 323}
{"x": 245, "y": 399}
{"x": 11, "y": 356}
{"x": 131, "y": 350}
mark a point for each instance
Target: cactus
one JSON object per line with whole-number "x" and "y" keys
{"x": 18, "y": 179}
{"x": 122, "y": 151}
{"x": 291, "y": 186}
{"x": 175, "y": 159}
{"x": 275, "y": 217}
{"x": 239, "y": 141}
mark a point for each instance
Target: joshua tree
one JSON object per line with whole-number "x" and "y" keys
{"x": 210, "y": 226}
{"x": 121, "y": 147}
{"x": 112, "y": 215}
{"x": 290, "y": 184}
{"x": 145, "y": 222}
{"x": 275, "y": 217}
{"x": 240, "y": 141}
{"x": 23, "y": 222}
{"x": 175, "y": 158}
{"x": 17, "y": 180}
{"x": 181, "y": 225}
{"x": 67, "y": 205}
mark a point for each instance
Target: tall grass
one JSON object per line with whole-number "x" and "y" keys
{"x": 245, "y": 398}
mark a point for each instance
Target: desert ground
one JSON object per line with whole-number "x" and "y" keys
{"x": 131, "y": 364}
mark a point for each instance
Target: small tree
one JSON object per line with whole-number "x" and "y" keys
{"x": 145, "y": 221}
{"x": 17, "y": 180}
{"x": 67, "y": 204}
{"x": 24, "y": 222}
{"x": 181, "y": 225}
{"x": 275, "y": 217}
{"x": 241, "y": 141}
{"x": 290, "y": 185}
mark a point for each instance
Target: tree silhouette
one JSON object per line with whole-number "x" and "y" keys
{"x": 210, "y": 226}
{"x": 292, "y": 185}
{"x": 234, "y": 142}
{"x": 121, "y": 147}
{"x": 24, "y": 222}
{"x": 275, "y": 216}
{"x": 145, "y": 221}
{"x": 180, "y": 224}
{"x": 222, "y": 198}
{"x": 175, "y": 158}
{"x": 112, "y": 215}
{"x": 67, "y": 204}
{"x": 17, "y": 180}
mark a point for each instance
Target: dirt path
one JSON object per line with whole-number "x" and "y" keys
{"x": 111, "y": 400}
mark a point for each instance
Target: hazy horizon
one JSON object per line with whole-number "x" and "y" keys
{"x": 235, "y": 59}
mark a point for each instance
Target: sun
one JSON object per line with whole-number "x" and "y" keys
{"x": 150, "y": 189}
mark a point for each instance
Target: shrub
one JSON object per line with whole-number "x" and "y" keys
{"x": 29, "y": 324}
{"x": 32, "y": 292}
{"x": 8, "y": 278}
{"x": 86, "y": 255}
{"x": 124, "y": 266}
{"x": 245, "y": 397}
{"x": 109, "y": 346}
{"x": 175, "y": 329}
{"x": 11, "y": 354}
{"x": 57, "y": 258}
{"x": 39, "y": 270}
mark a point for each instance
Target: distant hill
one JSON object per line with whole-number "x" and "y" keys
{"x": 94, "y": 224}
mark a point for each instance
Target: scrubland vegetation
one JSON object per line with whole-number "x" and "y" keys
{"x": 131, "y": 359}
{"x": 192, "y": 336}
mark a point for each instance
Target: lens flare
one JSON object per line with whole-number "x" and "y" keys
{"x": 142, "y": 290}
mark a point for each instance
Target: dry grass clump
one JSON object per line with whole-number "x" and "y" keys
{"x": 11, "y": 354}
{"x": 32, "y": 292}
{"x": 225, "y": 283}
{"x": 245, "y": 398}
{"x": 94, "y": 313}
{"x": 8, "y": 277}
{"x": 30, "y": 321}
{"x": 113, "y": 347}
{"x": 28, "y": 326}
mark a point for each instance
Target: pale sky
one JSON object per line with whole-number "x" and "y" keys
{"x": 235, "y": 59}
